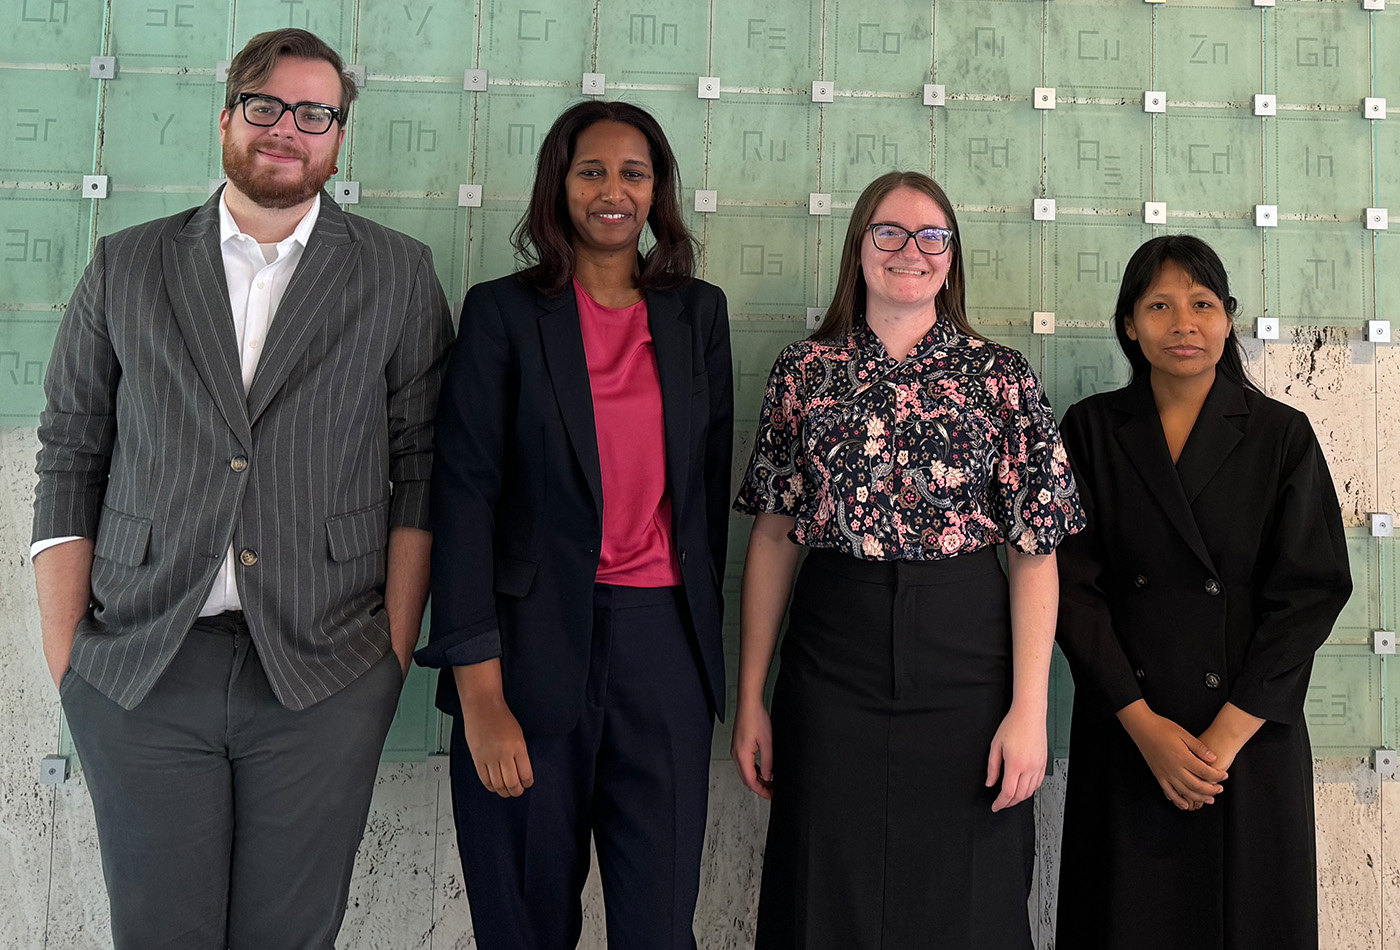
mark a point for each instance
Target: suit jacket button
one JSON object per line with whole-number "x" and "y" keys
{"x": 1212, "y": 681}
{"x": 248, "y": 557}
{"x": 1140, "y": 674}
{"x": 239, "y": 463}
{"x": 682, "y": 557}
{"x": 1140, "y": 581}
{"x": 1213, "y": 587}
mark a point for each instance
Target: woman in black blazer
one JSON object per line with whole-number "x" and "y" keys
{"x": 579, "y": 510}
{"x": 1212, "y": 569}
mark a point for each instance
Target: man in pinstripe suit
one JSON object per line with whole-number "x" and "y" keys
{"x": 231, "y": 552}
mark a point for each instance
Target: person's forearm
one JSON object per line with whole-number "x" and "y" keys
{"x": 406, "y": 587}
{"x": 479, "y": 684}
{"x": 1034, "y": 587}
{"x": 63, "y": 579}
{"x": 769, "y": 568}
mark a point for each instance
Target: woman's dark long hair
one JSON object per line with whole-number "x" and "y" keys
{"x": 1200, "y": 262}
{"x": 848, "y": 300}
{"x": 543, "y": 240}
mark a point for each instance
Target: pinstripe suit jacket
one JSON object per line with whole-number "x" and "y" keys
{"x": 150, "y": 446}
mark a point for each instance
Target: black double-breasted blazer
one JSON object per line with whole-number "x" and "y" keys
{"x": 517, "y": 500}
{"x": 1209, "y": 580}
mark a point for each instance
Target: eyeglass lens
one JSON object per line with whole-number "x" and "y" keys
{"x": 889, "y": 237}
{"x": 267, "y": 110}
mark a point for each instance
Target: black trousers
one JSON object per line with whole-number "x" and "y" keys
{"x": 227, "y": 821}
{"x": 634, "y": 773}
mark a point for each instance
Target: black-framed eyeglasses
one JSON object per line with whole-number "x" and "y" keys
{"x": 313, "y": 118}
{"x": 891, "y": 237}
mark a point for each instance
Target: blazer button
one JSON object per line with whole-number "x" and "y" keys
{"x": 248, "y": 557}
{"x": 1212, "y": 681}
{"x": 239, "y": 463}
{"x": 682, "y": 557}
{"x": 1140, "y": 674}
{"x": 1140, "y": 581}
{"x": 1213, "y": 587}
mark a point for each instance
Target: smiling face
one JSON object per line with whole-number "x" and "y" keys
{"x": 1180, "y": 324}
{"x": 906, "y": 280}
{"x": 609, "y": 187}
{"x": 280, "y": 166}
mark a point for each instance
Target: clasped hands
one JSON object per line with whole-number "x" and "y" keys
{"x": 1190, "y": 769}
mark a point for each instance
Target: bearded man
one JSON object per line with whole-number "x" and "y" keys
{"x": 230, "y": 524}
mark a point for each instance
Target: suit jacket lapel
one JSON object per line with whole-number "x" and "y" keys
{"x": 562, "y": 341}
{"x": 1142, "y": 440}
{"x": 194, "y": 275}
{"x": 670, "y": 335}
{"x": 311, "y": 300}
{"x": 1217, "y": 431}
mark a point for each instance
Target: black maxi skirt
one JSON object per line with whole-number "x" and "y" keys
{"x": 894, "y": 678}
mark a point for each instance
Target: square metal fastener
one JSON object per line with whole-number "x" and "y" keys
{"x": 475, "y": 80}
{"x": 1382, "y": 642}
{"x": 347, "y": 192}
{"x": 1378, "y": 331}
{"x": 815, "y": 316}
{"x": 1154, "y": 101}
{"x": 469, "y": 196}
{"x": 53, "y": 770}
{"x": 823, "y": 91}
{"x": 102, "y": 67}
{"x": 708, "y": 87}
{"x": 1265, "y": 103}
{"x": 1378, "y": 219}
{"x": 1043, "y": 321}
{"x": 1266, "y": 328}
{"x": 221, "y": 71}
{"x": 594, "y": 84}
{"x": 1154, "y": 212}
{"x": 1043, "y": 97}
{"x": 706, "y": 199}
{"x": 1373, "y": 107}
{"x": 94, "y": 186}
{"x": 935, "y": 94}
{"x": 1266, "y": 216}
{"x": 1043, "y": 209}
{"x": 1382, "y": 525}
{"x": 818, "y": 203}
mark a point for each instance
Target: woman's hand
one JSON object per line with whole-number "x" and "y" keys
{"x": 1017, "y": 756}
{"x": 1183, "y": 765}
{"x": 493, "y": 735}
{"x": 752, "y": 747}
{"x": 497, "y": 744}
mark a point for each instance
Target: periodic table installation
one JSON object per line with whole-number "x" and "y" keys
{"x": 1065, "y": 131}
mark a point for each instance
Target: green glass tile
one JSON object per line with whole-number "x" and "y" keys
{"x": 1001, "y": 264}
{"x": 416, "y": 39}
{"x": 1343, "y": 705}
{"x": 764, "y": 260}
{"x": 123, "y": 209}
{"x": 162, "y": 130}
{"x": 755, "y": 345}
{"x": 26, "y": 341}
{"x": 414, "y": 732}
{"x": 43, "y": 246}
{"x": 885, "y": 46}
{"x": 1241, "y": 248}
{"x": 511, "y": 124}
{"x": 1362, "y": 613}
{"x": 1385, "y": 48}
{"x": 863, "y": 142}
{"x": 764, "y": 147}
{"x": 50, "y": 120}
{"x": 988, "y": 47}
{"x": 640, "y": 41}
{"x": 1321, "y": 272}
{"x": 527, "y": 39}
{"x": 1322, "y": 54}
{"x": 1086, "y": 265}
{"x": 1392, "y": 701}
{"x": 1209, "y": 161}
{"x": 1388, "y": 274}
{"x": 988, "y": 153}
{"x": 50, "y": 31}
{"x": 1098, "y": 50}
{"x": 1098, "y": 156}
{"x": 1209, "y": 54}
{"x": 408, "y": 137}
{"x": 831, "y": 238}
{"x": 682, "y": 117}
{"x": 771, "y": 46}
{"x": 331, "y": 20}
{"x": 491, "y": 253}
{"x": 1321, "y": 165}
{"x": 1080, "y": 362}
{"x": 1018, "y": 337}
{"x": 1387, "y": 163}
{"x": 169, "y": 33}
{"x": 438, "y": 223}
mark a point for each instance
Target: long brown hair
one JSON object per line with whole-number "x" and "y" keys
{"x": 255, "y": 62}
{"x": 543, "y": 240}
{"x": 848, "y": 302}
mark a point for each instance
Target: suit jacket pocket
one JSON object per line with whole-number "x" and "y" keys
{"x": 358, "y": 533}
{"x": 123, "y": 538}
{"x": 514, "y": 576}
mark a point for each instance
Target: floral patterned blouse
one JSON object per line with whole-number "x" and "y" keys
{"x": 952, "y": 450}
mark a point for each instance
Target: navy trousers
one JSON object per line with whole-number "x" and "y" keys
{"x": 633, "y": 773}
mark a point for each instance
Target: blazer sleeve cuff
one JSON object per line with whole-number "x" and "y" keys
{"x": 409, "y": 508}
{"x": 460, "y": 650}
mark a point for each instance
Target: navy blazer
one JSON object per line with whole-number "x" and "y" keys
{"x": 517, "y": 498}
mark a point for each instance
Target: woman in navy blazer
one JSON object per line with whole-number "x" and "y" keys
{"x": 580, "y": 511}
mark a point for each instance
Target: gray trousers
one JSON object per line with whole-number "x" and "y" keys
{"x": 227, "y": 821}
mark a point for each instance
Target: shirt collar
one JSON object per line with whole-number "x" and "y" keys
{"x": 868, "y": 345}
{"x": 228, "y": 228}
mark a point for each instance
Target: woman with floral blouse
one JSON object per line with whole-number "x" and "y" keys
{"x": 908, "y": 725}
